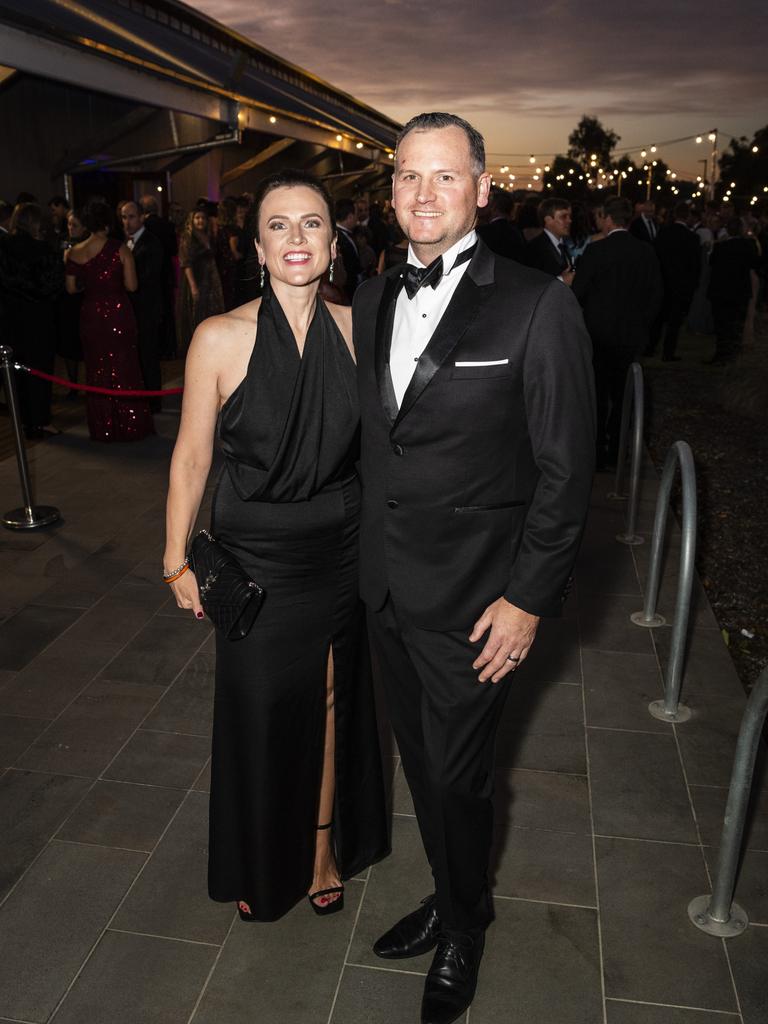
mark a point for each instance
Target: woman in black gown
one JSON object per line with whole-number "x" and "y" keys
{"x": 295, "y": 746}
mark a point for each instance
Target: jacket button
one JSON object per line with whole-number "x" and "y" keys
{"x": 398, "y": 449}
{"x": 392, "y": 503}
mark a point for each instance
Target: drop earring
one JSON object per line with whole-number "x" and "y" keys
{"x": 330, "y": 272}
{"x": 261, "y": 276}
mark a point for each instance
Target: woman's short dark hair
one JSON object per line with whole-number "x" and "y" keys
{"x": 436, "y": 119}
{"x": 27, "y": 219}
{"x": 97, "y": 216}
{"x": 289, "y": 178}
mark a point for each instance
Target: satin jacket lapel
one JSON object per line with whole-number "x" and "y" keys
{"x": 385, "y": 318}
{"x": 462, "y": 310}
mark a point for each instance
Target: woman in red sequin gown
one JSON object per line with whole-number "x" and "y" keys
{"x": 104, "y": 270}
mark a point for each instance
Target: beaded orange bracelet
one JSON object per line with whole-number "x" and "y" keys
{"x": 177, "y": 575}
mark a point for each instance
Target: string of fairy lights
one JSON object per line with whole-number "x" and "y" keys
{"x": 531, "y": 174}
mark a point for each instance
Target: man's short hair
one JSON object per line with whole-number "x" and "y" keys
{"x": 128, "y": 202}
{"x": 343, "y": 208}
{"x": 549, "y": 207}
{"x": 149, "y": 204}
{"x": 734, "y": 227}
{"x": 680, "y": 211}
{"x": 58, "y": 201}
{"x": 432, "y": 121}
{"x": 619, "y": 210}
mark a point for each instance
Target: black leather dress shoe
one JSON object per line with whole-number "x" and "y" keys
{"x": 413, "y": 935}
{"x": 452, "y": 978}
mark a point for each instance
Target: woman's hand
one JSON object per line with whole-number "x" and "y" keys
{"x": 187, "y": 594}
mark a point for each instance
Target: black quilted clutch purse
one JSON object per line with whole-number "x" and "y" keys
{"x": 230, "y": 598}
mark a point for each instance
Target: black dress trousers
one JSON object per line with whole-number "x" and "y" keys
{"x": 445, "y": 723}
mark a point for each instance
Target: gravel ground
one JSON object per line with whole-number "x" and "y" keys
{"x": 723, "y": 415}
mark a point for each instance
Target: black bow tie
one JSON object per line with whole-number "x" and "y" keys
{"x": 419, "y": 277}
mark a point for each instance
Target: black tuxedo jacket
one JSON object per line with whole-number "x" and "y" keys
{"x": 541, "y": 255}
{"x": 351, "y": 260}
{"x": 503, "y": 238}
{"x": 478, "y": 486}
{"x": 147, "y": 300}
{"x": 679, "y": 252}
{"x": 618, "y": 284}
{"x": 639, "y": 229}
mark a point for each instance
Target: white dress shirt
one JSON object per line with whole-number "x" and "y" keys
{"x": 133, "y": 239}
{"x": 416, "y": 319}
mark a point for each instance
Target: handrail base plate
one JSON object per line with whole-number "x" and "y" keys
{"x": 639, "y": 619}
{"x": 698, "y": 912}
{"x": 31, "y": 518}
{"x": 632, "y": 539}
{"x": 656, "y": 708}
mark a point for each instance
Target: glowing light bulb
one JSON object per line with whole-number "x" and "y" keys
{"x": 339, "y": 138}
{"x": 653, "y": 149}
{"x": 698, "y": 140}
{"x": 358, "y": 145}
{"x": 712, "y": 137}
{"x": 391, "y": 156}
{"x": 546, "y": 167}
{"x": 643, "y": 153}
{"x": 531, "y": 159}
{"x": 535, "y": 177}
{"x": 754, "y": 149}
{"x": 159, "y": 188}
{"x": 273, "y": 120}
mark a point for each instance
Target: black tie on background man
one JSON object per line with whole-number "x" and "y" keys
{"x": 147, "y": 300}
{"x": 477, "y": 457}
{"x": 547, "y": 252}
{"x": 162, "y": 229}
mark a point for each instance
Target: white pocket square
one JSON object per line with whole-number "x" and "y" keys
{"x": 484, "y": 362}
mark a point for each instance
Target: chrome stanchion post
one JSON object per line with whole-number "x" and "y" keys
{"x": 29, "y": 516}
{"x": 718, "y": 914}
{"x": 670, "y": 709}
{"x": 634, "y": 398}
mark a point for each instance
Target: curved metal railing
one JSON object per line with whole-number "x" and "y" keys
{"x": 633, "y": 405}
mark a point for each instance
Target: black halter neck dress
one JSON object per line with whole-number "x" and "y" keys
{"x": 287, "y": 506}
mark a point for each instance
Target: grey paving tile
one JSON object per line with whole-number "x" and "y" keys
{"x": 86, "y": 583}
{"x": 158, "y": 652}
{"x": 708, "y": 669}
{"x": 16, "y": 734}
{"x": 709, "y": 803}
{"x": 395, "y": 887}
{"x": 284, "y": 972}
{"x": 160, "y": 759}
{"x": 378, "y": 997}
{"x": 171, "y": 897}
{"x": 27, "y": 633}
{"x": 700, "y": 615}
{"x": 188, "y": 705}
{"x": 554, "y": 657}
{"x": 51, "y": 920}
{"x": 751, "y": 883}
{"x": 132, "y": 978}
{"x": 553, "y": 867}
{"x": 85, "y": 738}
{"x": 122, "y": 815}
{"x": 606, "y": 626}
{"x": 32, "y": 806}
{"x": 708, "y": 740}
{"x": 638, "y": 788}
{"x": 115, "y": 619}
{"x": 542, "y": 727}
{"x": 402, "y": 801}
{"x": 651, "y": 952}
{"x": 618, "y": 687}
{"x": 749, "y": 954}
{"x": 642, "y": 1013}
{"x": 202, "y": 783}
{"x": 547, "y": 800}
{"x": 601, "y": 571}
{"x": 45, "y": 687}
{"x": 541, "y": 964}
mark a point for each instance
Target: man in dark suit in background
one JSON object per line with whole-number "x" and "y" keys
{"x": 644, "y": 226}
{"x": 618, "y": 284}
{"x": 345, "y": 213}
{"x": 679, "y": 252}
{"x": 166, "y": 233}
{"x": 477, "y": 452}
{"x": 547, "y": 252}
{"x": 147, "y": 300}
{"x": 499, "y": 233}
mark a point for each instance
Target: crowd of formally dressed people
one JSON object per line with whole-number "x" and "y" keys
{"x": 154, "y": 278}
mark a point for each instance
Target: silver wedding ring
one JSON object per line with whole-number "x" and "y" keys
{"x": 510, "y": 658}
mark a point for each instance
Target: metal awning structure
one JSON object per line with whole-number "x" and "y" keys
{"x": 162, "y": 54}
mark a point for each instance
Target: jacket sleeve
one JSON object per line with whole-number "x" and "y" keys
{"x": 558, "y": 384}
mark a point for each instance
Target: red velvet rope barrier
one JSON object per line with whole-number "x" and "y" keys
{"x": 113, "y": 392}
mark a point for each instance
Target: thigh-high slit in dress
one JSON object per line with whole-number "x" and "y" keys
{"x": 287, "y": 507}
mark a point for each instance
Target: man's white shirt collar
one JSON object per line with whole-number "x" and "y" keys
{"x": 449, "y": 256}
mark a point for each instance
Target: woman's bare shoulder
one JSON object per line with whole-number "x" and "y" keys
{"x": 343, "y": 317}
{"x": 219, "y": 337}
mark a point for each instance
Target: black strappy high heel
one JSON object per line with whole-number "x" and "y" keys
{"x": 335, "y": 905}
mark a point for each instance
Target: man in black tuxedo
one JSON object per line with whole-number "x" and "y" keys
{"x": 644, "y": 226}
{"x": 346, "y": 220}
{"x": 679, "y": 252}
{"x": 147, "y": 300}
{"x": 547, "y": 252}
{"x": 166, "y": 233}
{"x": 477, "y": 453}
{"x": 499, "y": 233}
{"x": 618, "y": 284}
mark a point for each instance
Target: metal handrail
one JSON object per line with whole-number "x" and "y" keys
{"x": 29, "y": 516}
{"x": 670, "y": 709}
{"x": 633, "y": 403}
{"x": 718, "y": 914}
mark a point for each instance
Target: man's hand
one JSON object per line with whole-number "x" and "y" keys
{"x": 512, "y": 635}
{"x": 567, "y": 276}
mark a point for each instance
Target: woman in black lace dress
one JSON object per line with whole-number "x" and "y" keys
{"x": 297, "y": 800}
{"x": 200, "y": 294}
